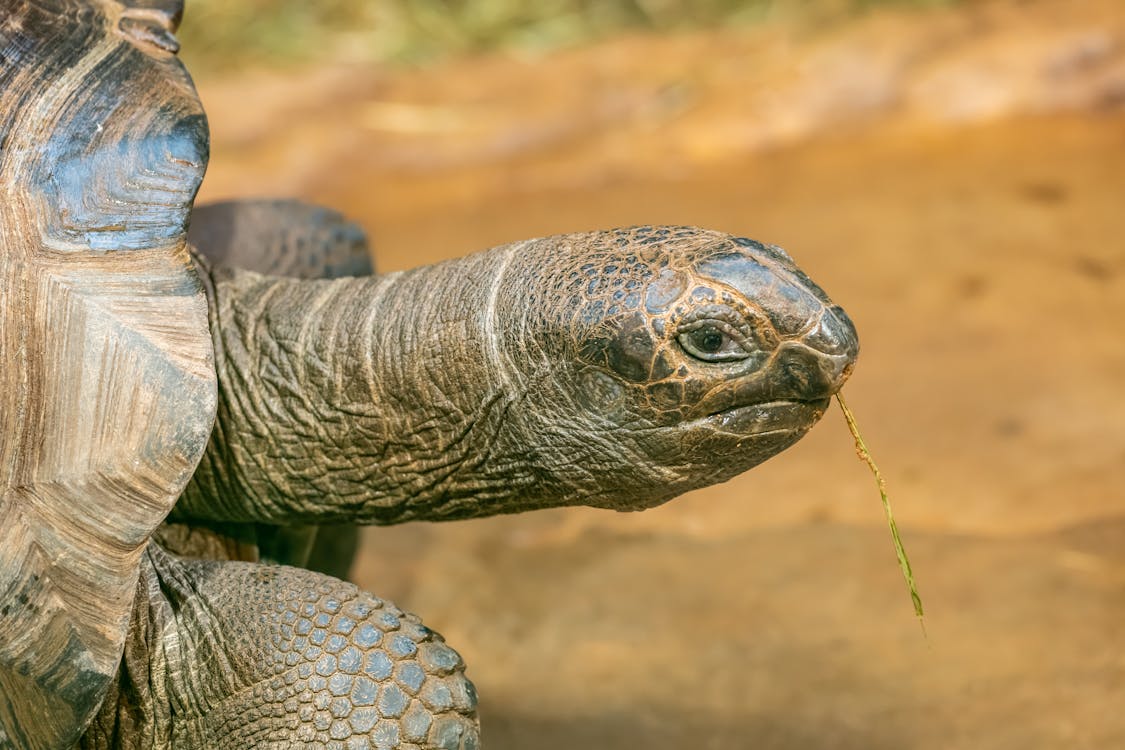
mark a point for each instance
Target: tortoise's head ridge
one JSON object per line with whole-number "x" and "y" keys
{"x": 680, "y": 357}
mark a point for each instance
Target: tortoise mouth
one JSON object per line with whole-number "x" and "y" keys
{"x": 771, "y": 417}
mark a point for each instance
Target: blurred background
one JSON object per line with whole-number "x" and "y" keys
{"x": 953, "y": 173}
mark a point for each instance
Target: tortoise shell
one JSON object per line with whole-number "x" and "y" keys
{"x": 107, "y": 386}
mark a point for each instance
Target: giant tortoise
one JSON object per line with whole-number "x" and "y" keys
{"x": 180, "y": 412}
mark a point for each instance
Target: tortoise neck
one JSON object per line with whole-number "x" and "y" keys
{"x": 370, "y": 400}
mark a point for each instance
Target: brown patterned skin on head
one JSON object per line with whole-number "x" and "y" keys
{"x": 677, "y": 357}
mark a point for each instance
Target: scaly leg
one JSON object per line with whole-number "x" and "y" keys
{"x": 241, "y": 655}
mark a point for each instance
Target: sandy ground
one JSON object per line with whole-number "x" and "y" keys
{"x": 976, "y": 245}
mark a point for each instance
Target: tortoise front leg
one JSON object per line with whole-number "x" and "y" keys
{"x": 241, "y": 655}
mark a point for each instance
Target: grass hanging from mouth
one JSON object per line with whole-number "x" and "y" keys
{"x": 900, "y": 551}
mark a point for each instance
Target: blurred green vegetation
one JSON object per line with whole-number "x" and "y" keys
{"x": 219, "y": 33}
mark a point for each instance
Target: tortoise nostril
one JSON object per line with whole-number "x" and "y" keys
{"x": 798, "y": 375}
{"x": 803, "y": 373}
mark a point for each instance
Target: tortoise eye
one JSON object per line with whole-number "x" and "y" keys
{"x": 713, "y": 341}
{"x": 708, "y": 340}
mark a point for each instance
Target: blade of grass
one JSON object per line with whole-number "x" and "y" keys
{"x": 900, "y": 551}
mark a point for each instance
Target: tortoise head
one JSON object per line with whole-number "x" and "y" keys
{"x": 662, "y": 359}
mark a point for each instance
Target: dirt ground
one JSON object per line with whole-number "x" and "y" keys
{"x": 956, "y": 180}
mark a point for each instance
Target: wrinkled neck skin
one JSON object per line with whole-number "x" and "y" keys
{"x": 538, "y": 374}
{"x": 369, "y": 399}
